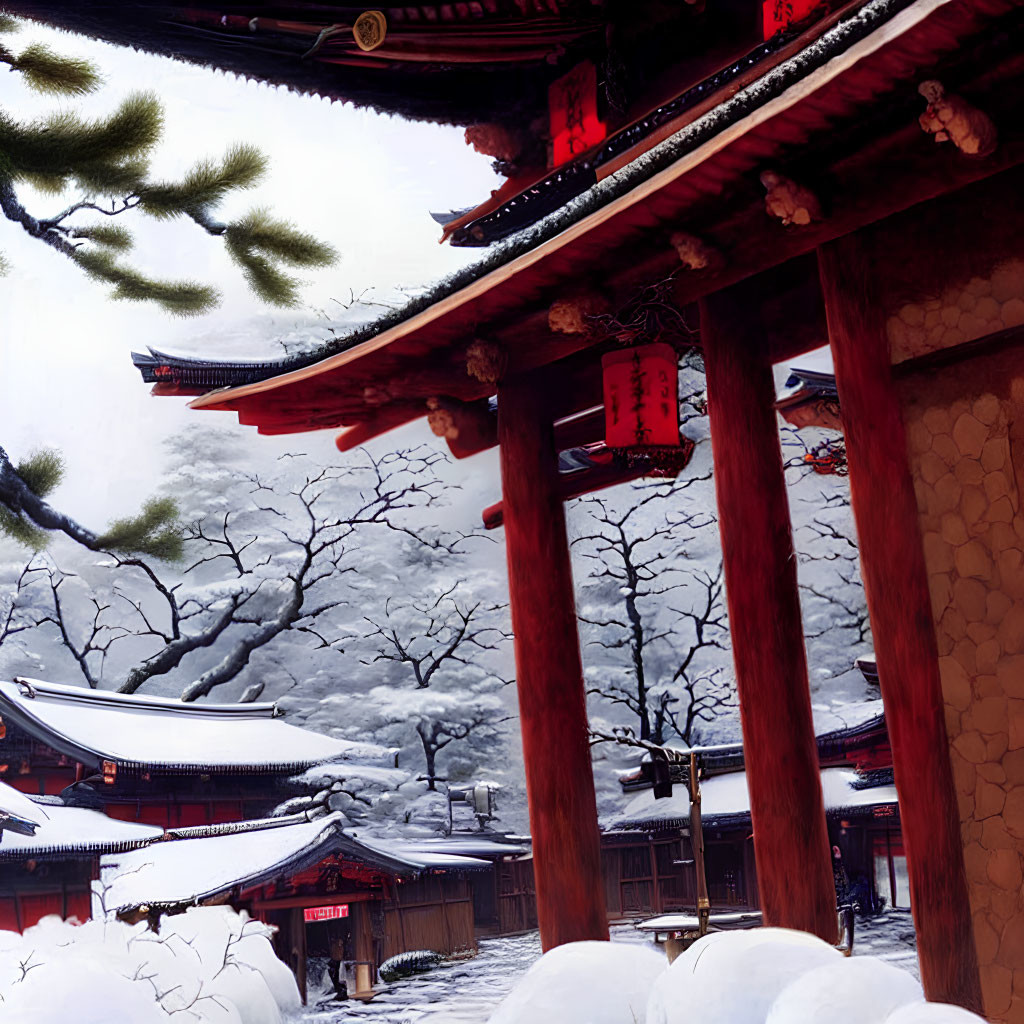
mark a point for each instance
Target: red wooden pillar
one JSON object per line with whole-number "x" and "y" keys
{"x": 896, "y": 582}
{"x": 549, "y": 674}
{"x": 794, "y": 866}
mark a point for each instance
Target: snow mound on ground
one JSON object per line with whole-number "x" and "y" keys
{"x": 933, "y": 1013}
{"x": 207, "y": 966}
{"x": 734, "y": 977}
{"x": 584, "y": 983}
{"x": 860, "y": 990}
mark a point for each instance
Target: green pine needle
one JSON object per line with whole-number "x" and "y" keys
{"x": 49, "y": 72}
{"x": 154, "y": 531}
{"x": 48, "y": 184}
{"x": 42, "y": 471}
{"x": 9, "y": 24}
{"x": 280, "y": 239}
{"x": 111, "y": 236}
{"x": 269, "y": 283}
{"x": 180, "y": 298}
{"x": 5, "y": 267}
{"x": 206, "y": 184}
{"x": 119, "y": 178}
{"x": 20, "y": 529}
{"x": 63, "y": 143}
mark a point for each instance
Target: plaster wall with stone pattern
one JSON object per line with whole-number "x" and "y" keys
{"x": 965, "y": 433}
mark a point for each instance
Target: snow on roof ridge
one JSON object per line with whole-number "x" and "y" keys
{"x": 234, "y": 827}
{"x": 141, "y": 733}
{"x": 35, "y": 689}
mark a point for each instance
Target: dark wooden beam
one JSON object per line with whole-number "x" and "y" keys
{"x": 549, "y": 673}
{"x": 572, "y": 485}
{"x": 896, "y": 582}
{"x": 794, "y": 872}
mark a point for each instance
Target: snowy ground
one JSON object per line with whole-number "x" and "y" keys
{"x": 467, "y": 992}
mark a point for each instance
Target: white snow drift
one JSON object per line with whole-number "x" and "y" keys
{"x": 207, "y": 966}
{"x": 761, "y": 976}
{"x": 591, "y": 982}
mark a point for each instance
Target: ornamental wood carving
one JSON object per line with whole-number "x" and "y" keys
{"x": 788, "y": 201}
{"x": 951, "y": 118}
{"x": 370, "y": 30}
{"x": 575, "y": 314}
{"x": 695, "y": 253}
{"x": 486, "y": 361}
{"x": 441, "y": 419}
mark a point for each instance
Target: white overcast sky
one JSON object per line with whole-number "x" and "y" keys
{"x": 362, "y": 181}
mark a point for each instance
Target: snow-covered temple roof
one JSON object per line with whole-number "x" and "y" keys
{"x": 194, "y": 869}
{"x": 724, "y": 798}
{"x": 18, "y": 814}
{"x": 141, "y": 732}
{"x": 75, "y": 830}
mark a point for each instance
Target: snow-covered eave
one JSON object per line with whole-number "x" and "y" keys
{"x": 93, "y": 756}
{"x": 737, "y": 820}
{"x": 645, "y": 825}
{"x": 69, "y": 851}
{"x": 309, "y": 855}
{"x": 330, "y": 841}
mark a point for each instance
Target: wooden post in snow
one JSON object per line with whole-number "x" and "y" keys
{"x": 794, "y": 867}
{"x": 549, "y": 673}
{"x": 896, "y": 584}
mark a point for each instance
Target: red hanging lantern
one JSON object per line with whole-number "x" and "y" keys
{"x": 641, "y": 407}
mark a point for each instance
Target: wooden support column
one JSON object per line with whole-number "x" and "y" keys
{"x": 549, "y": 674}
{"x": 794, "y": 867}
{"x": 896, "y": 582}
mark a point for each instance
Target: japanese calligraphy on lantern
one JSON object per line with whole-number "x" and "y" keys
{"x": 572, "y": 102}
{"x": 778, "y": 14}
{"x": 328, "y": 913}
{"x": 641, "y": 404}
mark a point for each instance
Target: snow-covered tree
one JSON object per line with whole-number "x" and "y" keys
{"x": 640, "y": 600}
{"x": 445, "y": 649}
{"x": 468, "y": 715}
{"x": 268, "y": 554}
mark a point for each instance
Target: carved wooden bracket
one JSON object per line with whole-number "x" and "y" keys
{"x": 951, "y": 118}
{"x": 441, "y": 419}
{"x": 573, "y": 315}
{"x": 695, "y": 253}
{"x": 788, "y": 201}
{"x": 486, "y": 361}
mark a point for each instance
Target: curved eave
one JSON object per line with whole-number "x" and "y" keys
{"x": 423, "y": 71}
{"x": 92, "y": 757}
{"x": 70, "y": 851}
{"x": 330, "y": 393}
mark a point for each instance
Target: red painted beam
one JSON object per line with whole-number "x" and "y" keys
{"x": 896, "y": 582}
{"x": 572, "y": 485}
{"x": 549, "y": 674}
{"x": 794, "y": 872}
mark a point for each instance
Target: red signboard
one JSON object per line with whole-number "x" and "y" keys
{"x": 780, "y": 13}
{"x": 572, "y": 101}
{"x": 328, "y": 913}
